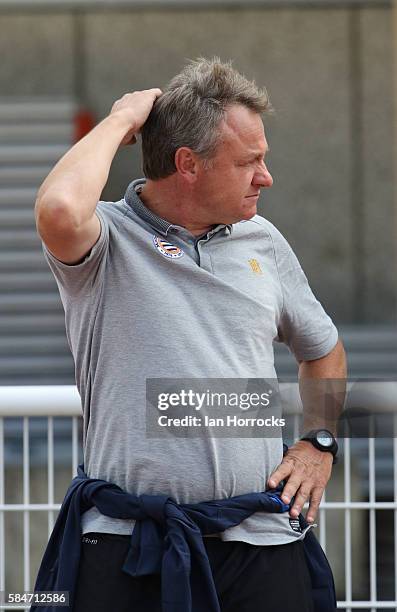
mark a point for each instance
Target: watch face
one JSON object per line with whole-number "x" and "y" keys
{"x": 324, "y": 438}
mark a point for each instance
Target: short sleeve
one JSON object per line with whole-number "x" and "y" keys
{"x": 304, "y": 326}
{"x": 82, "y": 279}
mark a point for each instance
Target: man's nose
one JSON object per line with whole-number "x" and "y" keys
{"x": 263, "y": 177}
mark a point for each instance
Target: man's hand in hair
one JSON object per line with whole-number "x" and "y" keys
{"x": 134, "y": 108}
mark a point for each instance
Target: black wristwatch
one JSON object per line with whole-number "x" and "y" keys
{"x": 323, "y": 440}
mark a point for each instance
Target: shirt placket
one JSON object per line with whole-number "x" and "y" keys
{"x": 202, "y": 249}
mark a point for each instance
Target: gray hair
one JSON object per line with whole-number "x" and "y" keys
{"x": 190, "y": 111}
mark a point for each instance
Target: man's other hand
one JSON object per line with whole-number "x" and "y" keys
{"x": 307, "y": 471}
{"x": 134, "y": 108}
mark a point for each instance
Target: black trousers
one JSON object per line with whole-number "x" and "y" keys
{"x": 248, "y": 578}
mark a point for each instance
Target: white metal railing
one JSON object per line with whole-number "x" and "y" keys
{"x": 185, "y": 4}
{"x": 64, "y": 401}
{"x": 25, "y": 402}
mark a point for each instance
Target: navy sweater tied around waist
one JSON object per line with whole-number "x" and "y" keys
{"x": 168, "y": 540}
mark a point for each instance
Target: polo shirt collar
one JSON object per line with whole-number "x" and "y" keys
{"x": 161, "y": 225}
{"x": 132, "y": 199}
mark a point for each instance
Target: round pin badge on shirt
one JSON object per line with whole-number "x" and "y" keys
{"x": 166, "y": 248}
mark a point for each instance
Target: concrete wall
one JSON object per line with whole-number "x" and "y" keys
{"x": 328, "y": 72}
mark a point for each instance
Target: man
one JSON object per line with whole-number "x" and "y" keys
{"x": 181, "y": 278}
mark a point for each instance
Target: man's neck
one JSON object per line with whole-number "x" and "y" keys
{"x": 169, "y": 203}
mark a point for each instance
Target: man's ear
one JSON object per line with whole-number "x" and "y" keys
{"x": 186, "y": 163}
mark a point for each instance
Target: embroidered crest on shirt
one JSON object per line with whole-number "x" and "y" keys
{"x": 166, "y": 248}
{"x": 255, "y": 267}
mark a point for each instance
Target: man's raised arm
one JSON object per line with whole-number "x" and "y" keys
{"x": 66, "y": 201}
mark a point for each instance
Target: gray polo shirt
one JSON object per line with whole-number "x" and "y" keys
{"x": 152, "y": 301}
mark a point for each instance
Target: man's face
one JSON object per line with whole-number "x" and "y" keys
{"x": 228, "y": 191}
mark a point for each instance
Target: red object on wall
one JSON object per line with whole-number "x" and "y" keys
{"x": 84, "y": 121}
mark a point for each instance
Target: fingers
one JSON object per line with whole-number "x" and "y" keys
{"x": 301, "y": 497}
{"x": 285, "y": 470}
{"x": 307, "y": 475}
{"x": 133, "y": 110}
{"x": 281, "y": 473}
{"x": 315, "y": 500}
{"x": 153, "y": 93}
{"x": 133, "y": 96}
{"x": 292, "y": 488}
{"x": 156, "y": 92}
{"x": 300, "y": 491}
